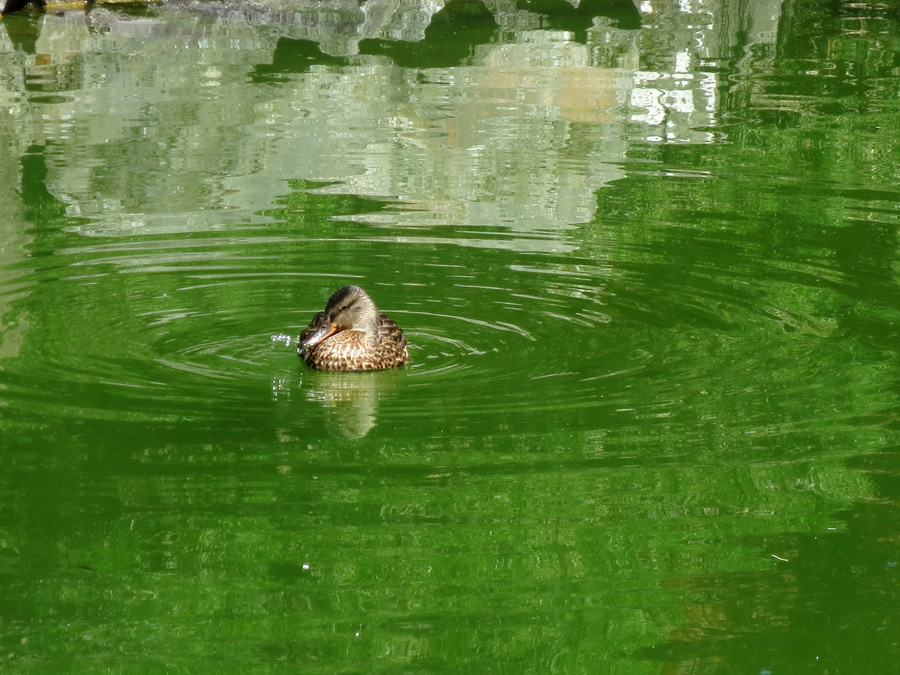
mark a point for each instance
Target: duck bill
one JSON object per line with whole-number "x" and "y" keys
{"x": 322, "y": 332}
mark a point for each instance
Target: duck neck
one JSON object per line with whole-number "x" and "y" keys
{"x": 371, "y": 330}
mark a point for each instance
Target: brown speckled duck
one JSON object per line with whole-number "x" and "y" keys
{"x": 351, "y": 334}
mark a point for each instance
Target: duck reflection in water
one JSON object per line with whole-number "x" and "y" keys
{"x": 351, "y": 334}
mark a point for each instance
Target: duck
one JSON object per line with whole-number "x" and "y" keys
{"x": 352, "y": 334}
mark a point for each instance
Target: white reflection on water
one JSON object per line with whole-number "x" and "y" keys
{"x": 521, "y": 136}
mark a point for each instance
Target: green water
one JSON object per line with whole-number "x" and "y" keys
{"x": 647, "y": 261}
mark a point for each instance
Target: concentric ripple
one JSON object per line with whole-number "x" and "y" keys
{"x": 203, "y": 326}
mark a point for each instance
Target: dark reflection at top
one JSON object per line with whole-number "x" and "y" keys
{"x": 23, "y": 31}
{"x": 15, "y": 5}
{"x": 831, "y": 48}
{"x": 450, "y": 38}
{"x": 294, "y": 56}
{"x": 578, "y": 18}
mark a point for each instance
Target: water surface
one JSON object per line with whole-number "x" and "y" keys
{"x": 646, "y": 258}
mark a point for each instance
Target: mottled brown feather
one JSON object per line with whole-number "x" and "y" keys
{"x": 362, "y": 338}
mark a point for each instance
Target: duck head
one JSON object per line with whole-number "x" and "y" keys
{"x": 348, "y": 308}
